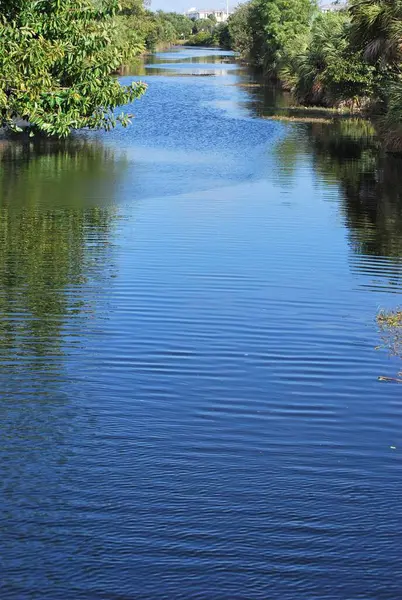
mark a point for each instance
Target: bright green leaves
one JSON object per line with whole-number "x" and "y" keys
{"x": 377, "y": 28}
{"x": 261, "y": 29}
{"x": 57, "y": 60}
{"x": 328, "y": 71}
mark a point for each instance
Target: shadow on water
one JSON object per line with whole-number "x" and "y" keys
{"x": 55, "y": 226}
{"x": 346, "y": 153}
{"x": 56, "y": 260}
{"x": 371, "y": 184}
{"x": 264, "y": 100}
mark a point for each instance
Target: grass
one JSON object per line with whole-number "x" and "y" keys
{"x": 323, "y": 110}
{"x": 299, "y": 119}
{"x": 309, "y": 114}
{"x": 248, "y": 85}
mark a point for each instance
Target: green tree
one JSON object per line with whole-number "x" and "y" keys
{"x": 137, "y": 25}
{"x": 269, "y": 26}
{"x": 182, "y": 25}
{"x": 377, "y": 31}
{"x": 56, "y": 60}
{"x": 377, "y": 28}
{"x": 223, "y": 37}
{"x": 204, "y": 25}
{"x": 202, "y": 38}
{"x": 326, "y": 70}
{"x": 240, "y": 31}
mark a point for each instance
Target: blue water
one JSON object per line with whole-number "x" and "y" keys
{"x": 189, "y": 356}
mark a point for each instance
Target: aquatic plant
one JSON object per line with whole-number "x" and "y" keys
{"x": 390, "y": 324}
{"x": 390, "y": 319}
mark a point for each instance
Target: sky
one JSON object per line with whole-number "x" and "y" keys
{"x": 183, "y": 5}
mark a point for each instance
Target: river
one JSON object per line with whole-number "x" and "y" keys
{"x": 189, "y": 356}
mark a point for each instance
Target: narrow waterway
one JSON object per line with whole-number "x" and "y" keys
{"x": 189, "y": 357}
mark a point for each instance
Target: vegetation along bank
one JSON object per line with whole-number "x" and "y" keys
{"x": 347, "y": 57}
{"x": 57, "y": 59}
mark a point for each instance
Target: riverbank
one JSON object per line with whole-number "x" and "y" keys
{"x": 391, "y": 141}
{"x": 339, "y": 58}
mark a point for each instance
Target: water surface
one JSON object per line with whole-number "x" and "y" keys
{"x": 189, "y": 375}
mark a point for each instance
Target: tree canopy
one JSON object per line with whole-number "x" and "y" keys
{"x": 57, "y": 60}
{"x": 377, "y": 28}
{"x": 261, "y": 29}
{"x": 348, "y": 57}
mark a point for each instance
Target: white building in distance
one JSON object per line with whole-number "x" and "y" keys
{"x": 333, "y": 6}
{"x": 195, "y": 14}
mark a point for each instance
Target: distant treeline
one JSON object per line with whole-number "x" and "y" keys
{"x": 347, "y": 57}
{"x": 151, "y": 30}
{"x": 208, "y": 32}
{"x": 158, "y": 29}
{"x": 58, "y": 61}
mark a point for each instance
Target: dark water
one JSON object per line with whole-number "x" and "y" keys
{"x": 189, "y": 374}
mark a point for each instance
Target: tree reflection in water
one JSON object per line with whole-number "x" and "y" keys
{"x": 345, "y": 152}
{"x": 55, "y": 225}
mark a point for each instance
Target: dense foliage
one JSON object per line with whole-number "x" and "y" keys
{"x": 151, "y": 29}
{"x": 325, "y": 70}
{"x": 351, "y": 56}
{"x": 210, "y": 34}
{"x": 56, "y": 60}
{"x": 165, "y": 29}
{"x": 377, "y": 30}
{"x": 262, "y": 30}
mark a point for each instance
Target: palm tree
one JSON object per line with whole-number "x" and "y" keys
{"x": 393, "y": 118}
{"x": 377, "y": 29}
